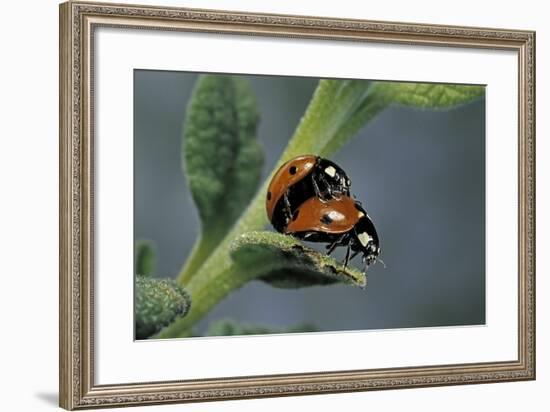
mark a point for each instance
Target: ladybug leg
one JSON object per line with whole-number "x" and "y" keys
{"x": 333, "y": 245}
{"x": 328, "y": 191}
{"x": 346, "y": 259}
{"x": 353, "y": 255}
{"x": 337, "y": 242}
{"x": 316, "y": 188}
{"x": 288, "y": 210}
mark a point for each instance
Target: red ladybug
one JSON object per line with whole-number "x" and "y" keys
{"x": 339, "y": 222}
{"x": 300, "y": 179}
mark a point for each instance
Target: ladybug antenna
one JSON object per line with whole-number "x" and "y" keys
{"x": 383, "y": 264}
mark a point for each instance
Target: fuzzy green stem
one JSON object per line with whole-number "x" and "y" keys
{"x": 200, "y": 252}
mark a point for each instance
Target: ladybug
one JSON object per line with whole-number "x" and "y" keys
{"x": 339, "y": 222}
{"x": 300, "y": 179}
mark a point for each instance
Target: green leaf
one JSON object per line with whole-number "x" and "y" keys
{"x": 145, "y": 258}
{"x": 284, "y": 262}
{"x": 228, "y": 327}
{"x": 383, "y": 94}
{"x": 158, "y": 302}
{"x": 223, "y": 159}
{"x": 426, "y": 95}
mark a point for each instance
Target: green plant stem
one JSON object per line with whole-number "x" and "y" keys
{"x": 200, "y": 252}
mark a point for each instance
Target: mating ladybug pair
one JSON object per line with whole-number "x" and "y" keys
{"x": 309, "y": 198}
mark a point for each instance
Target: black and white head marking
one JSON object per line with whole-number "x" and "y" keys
{"x": 364, "y": 238}
{"x": 331, "y": 171}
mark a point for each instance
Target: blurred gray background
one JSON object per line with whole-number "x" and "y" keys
{"x": 421, "y": 175}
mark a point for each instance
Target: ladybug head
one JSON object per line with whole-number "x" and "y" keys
{"x": 366, "y": 238}
{"x": 371, "y": 253}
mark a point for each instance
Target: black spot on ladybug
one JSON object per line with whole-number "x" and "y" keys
{"x": 326, "y": 219}
{"x": 295, "y": 216}
{"x": 268, "y": 195}
{"x": 292, "y": 170}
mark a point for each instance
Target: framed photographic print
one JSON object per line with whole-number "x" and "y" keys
{"x": 260, "y": 205}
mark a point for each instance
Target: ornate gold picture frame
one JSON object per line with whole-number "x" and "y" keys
{"x": 78, "y": 23}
